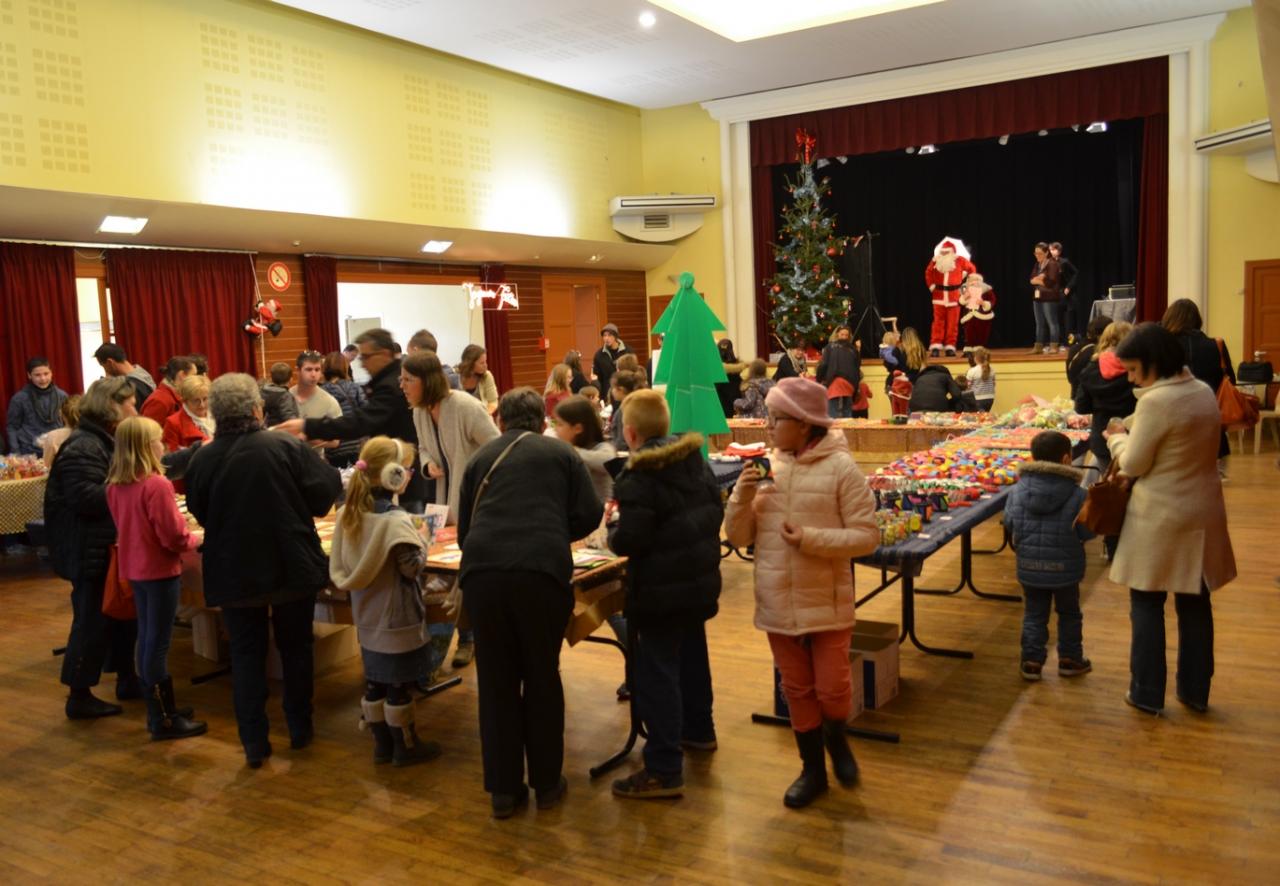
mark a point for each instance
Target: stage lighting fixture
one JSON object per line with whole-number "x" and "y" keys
{"x": 1096, "y": 126}
{"x": 843, "y": 160}
{"x": 928, "y": 149}
{"x": 911, "y": 150}
{"x": 1075, "y": 127}
{"x": 1003, "y": 140}
{"x": 1043, "y": 132}
{"x": 822, "y": 163}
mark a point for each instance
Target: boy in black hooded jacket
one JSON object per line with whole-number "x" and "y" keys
{"x": 668, "y": 525}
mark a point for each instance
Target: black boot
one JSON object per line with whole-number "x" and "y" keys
{"x": 406, "y": 747}
{"x": 84, "y": 705}
{"x": 812, "y": 782}
{"x": 172, "y": 724}
{"x": 128, "y": 687}
{"x": 842, "y": 762}
{"x": 373, "y": 719}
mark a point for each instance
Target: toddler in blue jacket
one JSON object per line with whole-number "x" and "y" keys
{"x": 1041, "y": 513}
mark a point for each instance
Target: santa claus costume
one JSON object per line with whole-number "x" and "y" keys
{"x": 944, "y": 276}
{"x": 977, "y": 310}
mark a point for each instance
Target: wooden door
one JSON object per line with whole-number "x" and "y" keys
{"x": 1262, "y": 309}
{"x": 571, "y": 310}
{"x": 657, "y": 304}
{"x": 557, "y": 319}
{"x": 586, "y": 319}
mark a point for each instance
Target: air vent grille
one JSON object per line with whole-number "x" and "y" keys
{"x": 657, "y": 222}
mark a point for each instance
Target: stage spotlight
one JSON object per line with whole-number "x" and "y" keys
{"x": 1075, "y": 127}
{"x": 928, "y": 149}
{"x": 911, "y": 150}
{"x": 822, "y": 163}
{"x": 1043, "y": 132}
{"x": 843, "y": 160}
{"x": 1096, "y": 126}
{"x": 1003, "y": 140}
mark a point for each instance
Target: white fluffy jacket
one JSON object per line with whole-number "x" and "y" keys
{"x": 809, "y": 588}
{"x": 1175, "y": 527}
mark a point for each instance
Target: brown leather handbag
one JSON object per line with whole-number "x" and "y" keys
{"x": 1105, "y": 502}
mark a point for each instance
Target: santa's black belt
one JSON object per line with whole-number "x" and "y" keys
{"x": 946, "y": 288}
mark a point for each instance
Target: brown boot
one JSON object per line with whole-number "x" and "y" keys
{"x": 407, "y": 748}
{"x": 1038, "y": 349}
{"x": 373, "y": 719}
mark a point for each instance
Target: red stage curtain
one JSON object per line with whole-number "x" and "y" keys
{"x": 320, "y": 282}
{"x": 1153, "y": 220}
{"x": 1112, "y": 92}
{"x": 170, "y": 302}
{"x": 497, "y": 336}
{"x": 39, "y": 318}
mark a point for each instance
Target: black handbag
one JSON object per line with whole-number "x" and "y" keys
{"x": 1255, "y": 373}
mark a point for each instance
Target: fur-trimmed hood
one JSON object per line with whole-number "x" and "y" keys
{"x": 1048, "y": 485}
{"x": 1075, "y": 475}
{"x": 664, "y": 451}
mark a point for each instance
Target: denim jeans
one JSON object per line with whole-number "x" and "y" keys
{"x": 1147, "y": 667}
{"x": 157, "y": 602}
{"x": 1046, "y": 322}
{"x": 290, "y": 623}
{"x": 672, "y": 689}
{"x": 1035, "y": 623}
{"x": 840, "y": 407}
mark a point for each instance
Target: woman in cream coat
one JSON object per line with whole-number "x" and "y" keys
{"x": 807, "y": 524}
{"x": 1175, "y": 529}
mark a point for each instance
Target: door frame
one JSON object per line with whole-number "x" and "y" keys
{"x": 597, "y": 280}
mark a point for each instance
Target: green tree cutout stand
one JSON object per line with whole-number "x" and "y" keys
{"x": 690, "y": 364}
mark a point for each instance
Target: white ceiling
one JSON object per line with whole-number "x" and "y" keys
{"x": 30, "y": 214}
{"x": 597, "y": 46}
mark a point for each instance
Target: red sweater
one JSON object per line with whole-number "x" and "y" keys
{"x": 163, "y": 402}
{"x": 152, "y": 533}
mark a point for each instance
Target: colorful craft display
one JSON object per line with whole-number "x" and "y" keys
{"x": 21, "y": 467}
{"x": 1037, "y": 412}
{"x": 1014, "y": 438}
{"x": 957, "y": 460}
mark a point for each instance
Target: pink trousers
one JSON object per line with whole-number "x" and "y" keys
{"x": 815, "y": 676}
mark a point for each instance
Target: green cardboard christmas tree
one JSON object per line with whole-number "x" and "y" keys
{"x": 690, "y": 364}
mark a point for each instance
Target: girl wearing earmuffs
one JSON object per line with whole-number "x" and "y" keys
{"x": 378, "y": 557}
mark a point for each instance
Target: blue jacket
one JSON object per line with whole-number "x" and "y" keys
{"x": 1040, "y": 513}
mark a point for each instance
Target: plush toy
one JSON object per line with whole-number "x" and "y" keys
{"x": 264, "y": 318}
{"x": 977, "y": 310}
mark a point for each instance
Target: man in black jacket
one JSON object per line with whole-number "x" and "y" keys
{"x": 606, "y": 359}
{"x": 385, "y": 411}
{"x": 516, "y": 520}
{"x": 257, "y": 493}
{"x": 669, "y": 515}
{"x": 81, "y": 533}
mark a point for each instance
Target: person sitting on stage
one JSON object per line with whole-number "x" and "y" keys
{"x": 806, "y": 526}
{"x": 944, "y": 275}
{"x": 668, "y": 524}
{"x": 378, "y": 556}
{"x": 1041, "y": 514}
{"x": 978, "y": 302}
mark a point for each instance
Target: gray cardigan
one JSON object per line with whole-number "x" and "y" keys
{"x": 464, "y": 426}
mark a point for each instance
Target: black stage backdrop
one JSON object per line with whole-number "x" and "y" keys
{"x": 1076, "y": 187}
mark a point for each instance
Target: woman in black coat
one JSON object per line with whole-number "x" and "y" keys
{"x": 935, "y": 390}
{"x": 1104, "y": 391}
{"x": 257, "y": 493}
{"x": 1204, "y": 359}
{"x": 731, "y": 388}
{"x": 81, "y": 533}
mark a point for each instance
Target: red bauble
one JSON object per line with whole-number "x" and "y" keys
{"x": 777, "y": 288}
{"x": 831, "y": 250}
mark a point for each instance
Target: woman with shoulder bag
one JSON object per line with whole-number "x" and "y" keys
{"x": 1169, "y": 446}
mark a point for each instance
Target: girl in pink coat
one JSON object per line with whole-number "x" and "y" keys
{"x": 815, "y": 515}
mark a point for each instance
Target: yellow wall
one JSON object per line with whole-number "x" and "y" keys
{"x": 680, "y": 152}
{"x": 1244, "y": 213}
{"x": 245, "y": 103}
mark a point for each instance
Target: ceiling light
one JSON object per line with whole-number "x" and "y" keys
{"x": 1004, "y": 139}
{"x": 911, "y": 150}
{"x": 121, "y": 224}
{"x": 744, "y": 20}
{"x": 1096, "y": 126}
{"x": 1043, "y": 132}
{"x": 436, "y": 246}
{"x": 596, "y": 258}
{"x": 647, "y": 19}
{"x": 928, "y": 149}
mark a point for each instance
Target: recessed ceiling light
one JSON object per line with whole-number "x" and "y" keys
{"x": 647, "y": 19}
{"x": 744, "y": 20}
{"x": 596, "y": 258}
{"x": 1043, "y": 132}
{"x": 436, "y": 246}
{"x": 121, "y": 224}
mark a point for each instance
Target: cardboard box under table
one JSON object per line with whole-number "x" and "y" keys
{"x": 873, "y": 658}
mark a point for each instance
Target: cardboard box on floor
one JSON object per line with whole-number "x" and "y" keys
{"x": 875, "y": 646}
{"x": 782, "y": 709}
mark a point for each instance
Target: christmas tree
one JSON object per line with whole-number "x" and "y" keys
{"x": 806, "y": 296}
{"x": 690, "y": 364}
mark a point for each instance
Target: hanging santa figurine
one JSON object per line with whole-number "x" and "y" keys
{"x": 944, "y": 275}
{"x": 264, "y": 318}
{"x": 977, "y": 310}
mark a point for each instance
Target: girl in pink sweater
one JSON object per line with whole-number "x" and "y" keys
{"x": 152, "y": 535}
{"x": 816, "y": 515}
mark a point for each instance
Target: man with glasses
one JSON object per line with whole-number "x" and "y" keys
{"x": 385, "y": 411}
{"x": 313, "y": 400}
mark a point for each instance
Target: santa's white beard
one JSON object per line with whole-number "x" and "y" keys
{"x": 945, "y": 262}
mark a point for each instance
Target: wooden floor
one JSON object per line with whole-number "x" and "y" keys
{"x": 995, "y": 781}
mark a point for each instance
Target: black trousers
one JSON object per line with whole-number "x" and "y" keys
{"x": 95, "y": 639}
{"x": 519, "y": 620}
{"x": 1195, "y": 646}
{"x": 247, "y": 629}
{"x": 672, "y": 688}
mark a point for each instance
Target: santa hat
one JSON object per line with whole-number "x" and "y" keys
{"x": 953, "y": 243}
